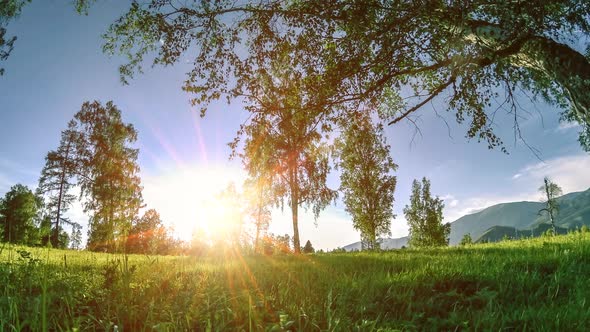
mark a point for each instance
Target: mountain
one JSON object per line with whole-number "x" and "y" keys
{"x": 506, "y": 218}
{"x": 497, "y": 233}
{"x": 517, "y": 215}
{"x": 492, "y": 223}
{"x": 385, "y": 244}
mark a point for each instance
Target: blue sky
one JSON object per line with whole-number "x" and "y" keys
{"x": 57, "y": 64}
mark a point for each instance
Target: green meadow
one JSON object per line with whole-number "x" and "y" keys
{"x": 536, "y": 284}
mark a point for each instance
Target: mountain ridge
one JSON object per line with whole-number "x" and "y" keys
{"x": 522, "y": 216}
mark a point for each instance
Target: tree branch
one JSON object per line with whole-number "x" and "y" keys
{"x": 435, "y": 93}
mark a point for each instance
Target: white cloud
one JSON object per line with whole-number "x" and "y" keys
{"x": 450, "y": 200}
{"x": 564, "y": 126}
{"x": 569, "y": 172}
{"x": 476, "y": 204}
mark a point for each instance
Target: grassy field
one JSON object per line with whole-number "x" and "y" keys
{"x": 541, "y": 284}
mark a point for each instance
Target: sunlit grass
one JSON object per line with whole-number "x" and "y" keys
{"x": 538, "y": 284}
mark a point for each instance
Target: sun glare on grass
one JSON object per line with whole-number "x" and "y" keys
{"x": 189, "y": 200}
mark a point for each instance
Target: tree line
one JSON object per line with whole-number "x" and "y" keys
{"x": 95, "y": 154}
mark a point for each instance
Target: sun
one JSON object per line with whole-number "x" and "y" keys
{"x": 189, "y": 200}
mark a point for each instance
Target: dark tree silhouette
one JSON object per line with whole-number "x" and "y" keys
{"x": 308, "y": 248}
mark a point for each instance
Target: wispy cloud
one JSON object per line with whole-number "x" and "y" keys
{"x": 564, "y": 126}
{"x": 450, "y": 200}
{"x": 5, "y": 183}
{"x": 476, "y": 204}
{"x": 569, "y": 172}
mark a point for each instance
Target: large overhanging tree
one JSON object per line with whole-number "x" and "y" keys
{"x": 9, "y": 10}
{"x": 472, "y": 53}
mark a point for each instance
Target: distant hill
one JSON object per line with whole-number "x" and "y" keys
{"x": 385, "y": 244}
{"x": 506, "y": 218}
{"x": 497, "y": 233}
{"x": 492, "y": 223}
{"x": 517, "y": 215}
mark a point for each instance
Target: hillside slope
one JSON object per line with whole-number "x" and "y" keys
{"x": 517, "y": 214}
{"x": 523, "y": 216}
{"x": 509, "y": 219}
{"x": 386, "y": 244}
{"x": 497, "y": 233}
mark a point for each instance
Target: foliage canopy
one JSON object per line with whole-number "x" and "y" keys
{"x": 424, "y": 216}
{"x": 366, "y": 179}
{"x": 108, "y": 174}
{"x": 9, "y": 9}
{"x": 285, "y": 141}
{"x": 19, "y": 212}
{"x": 400, "y": 54}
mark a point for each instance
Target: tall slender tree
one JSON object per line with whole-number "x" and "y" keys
{"x": 258, "y": 207}
{"x": 108, "y": 174}
{"x": 366, "y": 179}
{"x": 550, "y": 191}
{"x": 284, "y": 140}
{"x": 424, "y": 216}
{"x": 76, "y": 238}
{"x": 58, "y": 178}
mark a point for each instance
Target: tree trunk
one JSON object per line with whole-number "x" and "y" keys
{"x": 55, "y": 238}
{"x": 373, "y": 237}
{"x": 256, "y": 239}
{"x": 549, "y": 206}
{"x": 259, "y": 223}
{"x": 296, "y": 243}
{"x": 552, "y": 223}
{"x": 294, "y": 211}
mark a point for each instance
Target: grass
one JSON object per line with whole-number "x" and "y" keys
{"x": 538, "y": 284}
